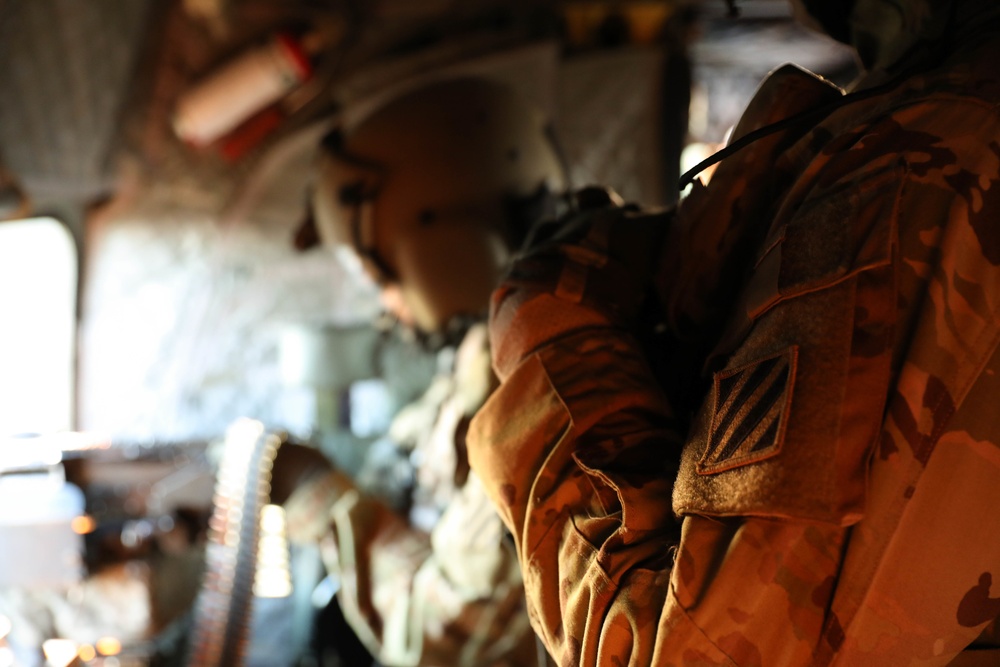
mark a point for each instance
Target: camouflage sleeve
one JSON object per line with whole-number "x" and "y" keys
{"x": 578, "y": 450}
{"x": 453, "y": 596}
{"x": 450, "y": 597}
{"x": 579, "y": 453}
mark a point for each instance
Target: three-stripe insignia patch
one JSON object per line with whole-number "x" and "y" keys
{"x": 750, "y": 412}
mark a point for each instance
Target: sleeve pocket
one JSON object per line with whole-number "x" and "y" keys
{"x": 797, "y": 399}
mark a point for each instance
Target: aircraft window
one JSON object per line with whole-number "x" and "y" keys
{"x": 38, "y": 292}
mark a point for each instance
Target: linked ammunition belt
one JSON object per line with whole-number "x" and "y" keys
{"x": 224, "y": 604}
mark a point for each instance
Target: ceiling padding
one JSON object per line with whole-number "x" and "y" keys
{"x": 66, "y": 69}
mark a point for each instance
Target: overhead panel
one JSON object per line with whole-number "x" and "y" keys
{"x": 66, "y": 70}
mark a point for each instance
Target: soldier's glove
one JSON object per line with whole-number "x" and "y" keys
{"x": 307, "y": 484}
{"x": 591, "y": 268}
{"x": 603, "y": 231}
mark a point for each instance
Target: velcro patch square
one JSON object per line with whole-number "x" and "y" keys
{"x": 750, "y": 412}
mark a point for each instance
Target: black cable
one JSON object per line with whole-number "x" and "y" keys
{"x": 814, "y": 114}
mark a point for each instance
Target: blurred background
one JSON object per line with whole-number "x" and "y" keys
{"x": 156, "y": 285}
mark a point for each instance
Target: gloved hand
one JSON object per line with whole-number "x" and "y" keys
{"x": 590, "y": 268}
{"x": 607, "y": 235}
{"x": 307, "y": 485}
{"x": 293, "y": 466}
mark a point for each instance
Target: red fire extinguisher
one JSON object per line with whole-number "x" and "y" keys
{"x": 246, "y": 85}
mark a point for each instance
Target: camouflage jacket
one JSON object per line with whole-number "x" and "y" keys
{"x": 442, "y": 586}
{"x": 817, "y": 486}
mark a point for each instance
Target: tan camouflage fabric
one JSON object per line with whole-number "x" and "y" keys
{"x": 441, "y": 587}
{"x": 803, "y": 466}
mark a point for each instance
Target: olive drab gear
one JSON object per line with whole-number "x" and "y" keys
{"x": 420, "y": 189}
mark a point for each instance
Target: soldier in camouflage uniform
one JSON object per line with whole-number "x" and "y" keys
{"x": 799, "y": 463}
{"x": 431, "y": 191}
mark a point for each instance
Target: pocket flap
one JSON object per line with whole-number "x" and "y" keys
{"x": 838, "y": 236}
{"x": 801, "y": 378}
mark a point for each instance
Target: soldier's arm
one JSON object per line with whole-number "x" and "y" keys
{"x": 452, "y": 596}
{"x": 579, "y": 449}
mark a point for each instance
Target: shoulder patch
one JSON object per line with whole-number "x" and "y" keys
{"x": 749, "y": 413}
